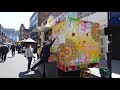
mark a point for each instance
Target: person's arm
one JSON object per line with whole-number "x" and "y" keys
{"x": 52, "y": 42}
{"x": 7, "y": 50}
{"x": 41, "y": 53}
{"x": 27, "y": 53}
{"x": 33, "y": 53}
{"x": 10, "y": 47}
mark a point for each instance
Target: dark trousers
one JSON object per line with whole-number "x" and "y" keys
{"x": 29, "y": 62}
{"x": 3, "y": 57}
{"x": 0, "y": 54}
{"x": 18, "y": 50}
{"x": 38, "y": 56}
{"x": 13, "y": 52}
{"x": 43, "y": 60}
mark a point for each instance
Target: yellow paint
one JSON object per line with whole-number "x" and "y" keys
{"x": 66, "y": 54}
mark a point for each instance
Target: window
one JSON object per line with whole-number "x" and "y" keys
{"x": 34, "y": 21}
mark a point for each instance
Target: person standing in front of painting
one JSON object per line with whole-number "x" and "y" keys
{"x": 45, "y": 54}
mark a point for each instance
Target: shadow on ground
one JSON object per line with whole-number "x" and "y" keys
{"x": 10, "y": 57}
{"x": 26, "y": 74}
{"x": 1, "y": 61}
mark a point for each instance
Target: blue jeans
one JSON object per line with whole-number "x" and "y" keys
{"x": 29, "y": 62}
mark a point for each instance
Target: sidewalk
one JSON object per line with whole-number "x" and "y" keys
{"x": 103, "y": 63}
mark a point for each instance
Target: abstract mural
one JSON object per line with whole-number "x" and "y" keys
{"x": 78, "y": 42}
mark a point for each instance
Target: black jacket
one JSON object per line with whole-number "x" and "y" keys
{"x": 4, "y": 49}
{"x": 46, "y": 50}
{"x": 13, "y": 47}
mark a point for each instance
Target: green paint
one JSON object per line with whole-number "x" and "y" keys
{"x": 73, "y": 19}
{"x": 95, "y": 60}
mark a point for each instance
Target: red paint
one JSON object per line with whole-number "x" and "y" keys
{"x": 62, "y": 67}
{"x": 87, "y": 34}
{"x": 73, "y": 34}
{"x": 83, "y": 42}
{"x": 72, "y": 67}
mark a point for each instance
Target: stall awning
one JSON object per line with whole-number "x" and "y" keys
{"x": 30, "y": 40}
{"x": 23, "y": 40}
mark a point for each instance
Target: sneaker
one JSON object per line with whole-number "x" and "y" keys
{"x": 32, "y": 69}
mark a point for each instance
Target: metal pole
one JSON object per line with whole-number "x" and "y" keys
{"x": 109, "y": 54}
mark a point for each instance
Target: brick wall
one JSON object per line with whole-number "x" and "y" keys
{"x": 42, "y": 16}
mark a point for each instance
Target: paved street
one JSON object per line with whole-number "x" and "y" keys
{"x": 103, "y": 63}
{"x": 14, "y": 67}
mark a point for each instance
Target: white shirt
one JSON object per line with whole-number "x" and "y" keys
{"x": 29, "y": 52}
{"x": 23, "y": 48}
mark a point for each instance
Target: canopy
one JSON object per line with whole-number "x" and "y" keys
{"x": 23, "y": 40}
{"x": 30, "y": 40}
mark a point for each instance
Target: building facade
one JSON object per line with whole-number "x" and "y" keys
{"x": 2, "y": 34}
{"x": 12, "y": 34}
{"x": 23, "y": 33}
{"x": 35, "y": 22}
{"x": 5, "y": 35}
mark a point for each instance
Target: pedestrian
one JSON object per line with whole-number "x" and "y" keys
{"x": 29, "y": 55}
{"x": 4, "y": 51}
{"x": 45, "y": 54}
{"x": 25, "y": 54}
{"x": 13, "y": 50}
{"x": 19, "y": 48}
{"x": 24, "y": 50}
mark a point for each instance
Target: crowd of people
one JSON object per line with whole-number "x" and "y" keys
{"x": 4, "y": 49}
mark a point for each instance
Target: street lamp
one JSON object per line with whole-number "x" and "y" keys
{"x": 109, "y": 53}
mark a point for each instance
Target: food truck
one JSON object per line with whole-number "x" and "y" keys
{"x": 78, "y": 42}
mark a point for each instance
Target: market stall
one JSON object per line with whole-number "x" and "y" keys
{"x": 31, "y": 42}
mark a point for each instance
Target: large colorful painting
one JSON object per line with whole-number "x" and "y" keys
{"x": 78, "y": 41}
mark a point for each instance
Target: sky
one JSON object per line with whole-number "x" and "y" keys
{"x": 15, "y": 19}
